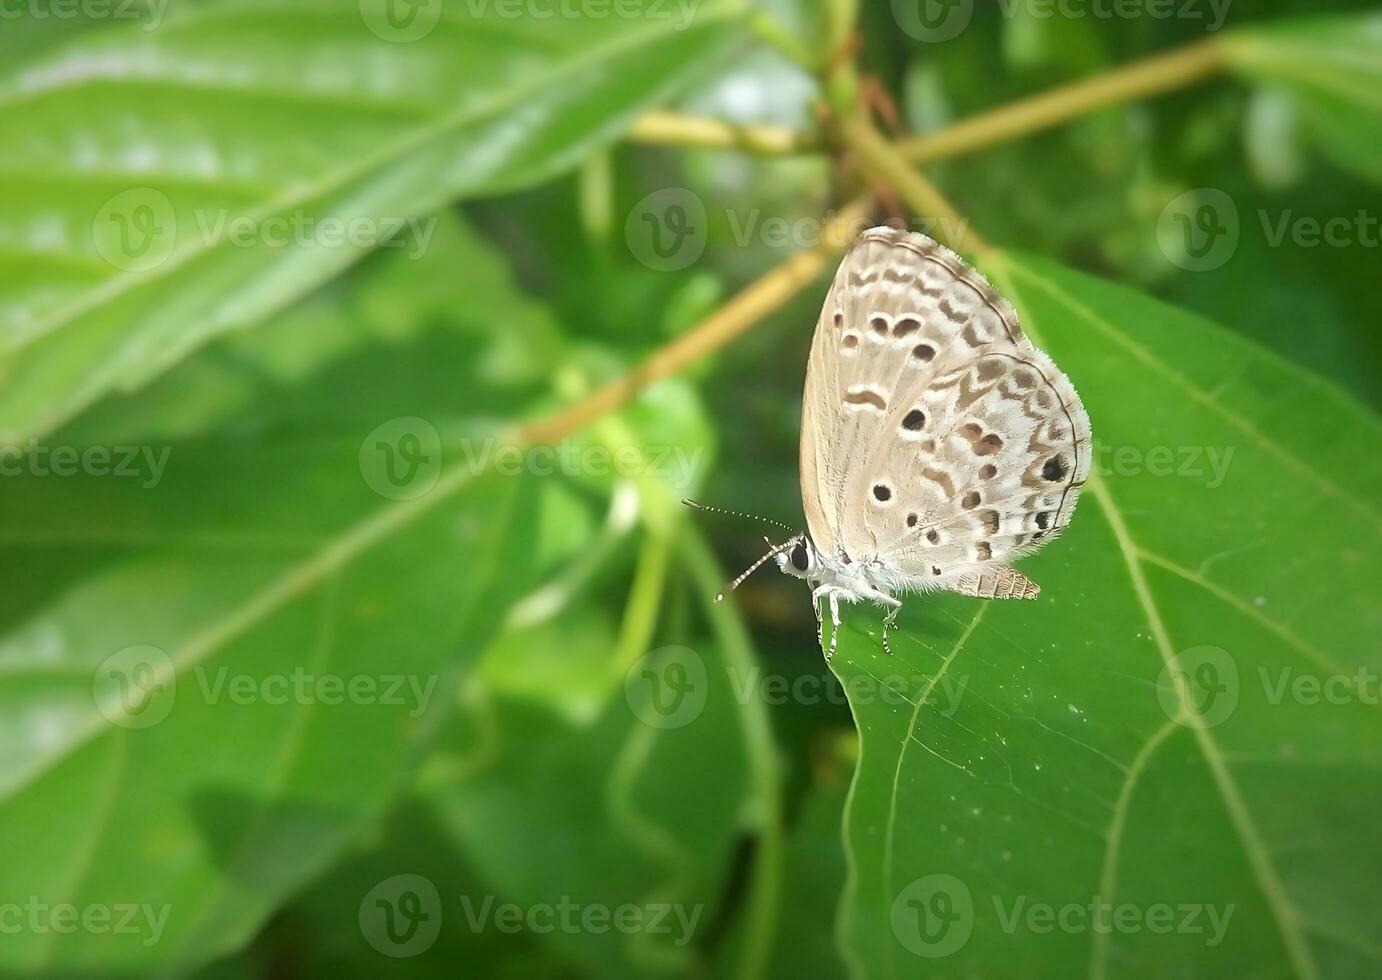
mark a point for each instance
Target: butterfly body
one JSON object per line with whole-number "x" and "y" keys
{"x": 938, "y": 444}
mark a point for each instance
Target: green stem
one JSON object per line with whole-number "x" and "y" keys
{"x": 772, "y": 33}
{"x": 765, "y": 767}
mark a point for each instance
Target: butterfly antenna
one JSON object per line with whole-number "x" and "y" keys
{"x": 777, "y": 549}
{"x": 734, "y": 513}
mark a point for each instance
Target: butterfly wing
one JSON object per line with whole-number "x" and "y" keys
{"x": 936, "y": 440}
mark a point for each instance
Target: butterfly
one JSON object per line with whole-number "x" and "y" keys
{"x": 938, "y": 445}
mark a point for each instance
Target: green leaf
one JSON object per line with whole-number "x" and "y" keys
{"x": 333, "y": 929}
{"x": 165, "y": 186}
{"x": 258, "y": 573}
{"x": 1046, "y": 756}
{"x": 339, "y": 354}
{"x": 615, "y": 812}
{"x": 214, "y": 715}
{"x": 1333, "y": 67}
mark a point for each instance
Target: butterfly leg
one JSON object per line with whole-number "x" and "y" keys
{"x": 835, "y": 621}
{"x": 890, "y": 621}
{"x": 816, "y": 595}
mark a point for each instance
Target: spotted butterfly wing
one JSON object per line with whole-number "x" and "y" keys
{"x": 937, "y": 443}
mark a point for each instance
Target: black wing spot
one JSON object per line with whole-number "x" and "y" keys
{"x": 1043, "y": 520}
{"x": 882, "y": 493}
{"x": 914, "y": 420}
{"x": 1055, "y": 469}
{"x": 911, "y": 520}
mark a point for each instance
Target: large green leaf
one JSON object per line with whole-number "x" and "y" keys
{"x": 256, "y": 573}
{"x": 1333, "y": 68}
{"x": 164, "y": 186}
{"x": 1125, "y": 739}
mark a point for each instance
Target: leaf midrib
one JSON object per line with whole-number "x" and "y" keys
{"x": 1284, "y": 912}
{"x": 299, "y": 195}
{"x": 294, "y": 582}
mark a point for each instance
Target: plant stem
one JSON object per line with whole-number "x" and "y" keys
{"x": 772, "y": 33}
{"x": 765, "y": 768}
{"x": 756, "y": 301}
{"x": 883, "y": 161}
{"x": 675, "y": 129}
{"x": 1149, "y": 76}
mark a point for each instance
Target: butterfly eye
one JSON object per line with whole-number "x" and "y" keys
{"x": 799, "y": 558}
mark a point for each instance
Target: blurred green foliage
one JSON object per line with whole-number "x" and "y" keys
{"x": 545, "y": 617}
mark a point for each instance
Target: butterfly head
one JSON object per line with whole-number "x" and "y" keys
{"x": 800, "y": 559}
